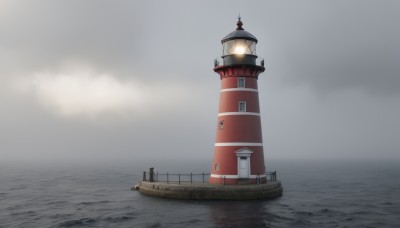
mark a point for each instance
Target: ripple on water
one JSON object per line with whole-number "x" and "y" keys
{"x": 94, "y": 202}
{"x": 78, "y": 222}
{"x": 3, "y": 195}
{"x": 23, "y": 213}
{"x": 18, "y": 187}
{"x": 57, "y": 202}
{"x": 86, "y": 221}
{"x": 387, "y": 203}
{"x": 303, "y": 213}
{"x": 118, "y": 219}
{"x": 330, "y": 212}
{"x": 300, "y": 223}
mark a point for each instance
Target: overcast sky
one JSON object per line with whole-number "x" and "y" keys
{"x": 133, "y": 80}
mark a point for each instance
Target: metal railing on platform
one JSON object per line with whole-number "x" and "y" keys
{"x": 271, "y": 176}
{"x": 187, "y": 178}
{"x": 197, "y": 178}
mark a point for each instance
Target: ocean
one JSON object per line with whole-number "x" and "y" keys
{"x": 316, "y": 194}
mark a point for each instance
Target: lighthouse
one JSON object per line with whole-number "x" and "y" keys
{"x": 238, "y": 151}
{"x": 238, "y": 170}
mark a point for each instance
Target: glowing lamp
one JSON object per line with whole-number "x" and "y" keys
{"x": 240, "y": 50}
{"x": 239, "y": 47}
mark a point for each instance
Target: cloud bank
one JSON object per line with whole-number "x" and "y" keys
{"x": 84, "y": 93}
{"x": 81, "y": 92}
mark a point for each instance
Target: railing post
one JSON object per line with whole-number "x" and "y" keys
{"x": 179, "y": 175}
{"x": 191, "y": 178}
{"x": 151, "y": 173}
{"x": 203, "y": 177}
{"x": 157, "y": 176}
{"x": 167, "y": 178}
{"x": 144, "y": 176}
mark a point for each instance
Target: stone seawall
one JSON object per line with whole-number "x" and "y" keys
{"x": 206, "y": 191}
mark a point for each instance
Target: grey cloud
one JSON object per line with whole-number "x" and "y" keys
{"x": 349, "y": 45}
{"x": 44, "y": 33}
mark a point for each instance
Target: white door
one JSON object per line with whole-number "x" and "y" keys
{"x": 243, "y": 167}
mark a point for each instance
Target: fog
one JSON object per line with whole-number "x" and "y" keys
{"x": 104, "y": 81}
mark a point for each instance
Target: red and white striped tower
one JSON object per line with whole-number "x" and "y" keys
{"x": 238, "y": 153}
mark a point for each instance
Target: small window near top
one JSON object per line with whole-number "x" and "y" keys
{"x": 242, "y": 106}
{"x": 221, "y": 124}
{"x": 241, "y": 82}
{"x": 216, "y": 167}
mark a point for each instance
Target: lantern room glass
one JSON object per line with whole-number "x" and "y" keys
{"x": 239, "y": 47}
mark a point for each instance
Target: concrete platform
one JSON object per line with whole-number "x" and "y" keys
{"x": 206, "y": 191}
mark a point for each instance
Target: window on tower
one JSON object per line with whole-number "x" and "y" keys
{"x": 241, "y": 82}
{"x": 221, "y": 124}
{"x": 242, "y": 106}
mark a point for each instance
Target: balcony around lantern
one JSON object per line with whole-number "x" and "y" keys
{"x": 233, "y": 61}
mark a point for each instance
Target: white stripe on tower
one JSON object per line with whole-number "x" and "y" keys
{"x": 238, "y": 144}
{"x": 239, "y": 89}
{"x": 238, "y": 114}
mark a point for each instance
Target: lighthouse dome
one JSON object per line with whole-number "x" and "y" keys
{"x": 239, "y": 33}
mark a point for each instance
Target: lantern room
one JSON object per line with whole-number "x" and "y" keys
{"x": 239, "y": 47}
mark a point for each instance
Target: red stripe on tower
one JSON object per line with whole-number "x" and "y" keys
{"x": 238, "y": 152}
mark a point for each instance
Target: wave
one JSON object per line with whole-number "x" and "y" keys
{"x": 118, "y": 219}
{"x": 78, "y": 222}
{"x": 303, "y": 213}
{"x": 94, "y": 202}
{"x": 90, "y": 221}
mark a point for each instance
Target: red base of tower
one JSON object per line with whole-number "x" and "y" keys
{"x": 227, "y": 181}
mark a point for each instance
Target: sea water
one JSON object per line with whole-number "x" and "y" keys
{"x": 316, "y": 194}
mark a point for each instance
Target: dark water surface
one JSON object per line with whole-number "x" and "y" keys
{"x": 316, "y": 194}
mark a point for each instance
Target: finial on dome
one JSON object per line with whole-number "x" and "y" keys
{"x": 239, "y": 23}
